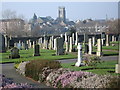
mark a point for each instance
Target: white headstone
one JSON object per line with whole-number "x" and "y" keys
{"x": 67, "y": 47}
{"x": 71, "y": 45}
{"x": 55, "y": 44}
{"x": 93, "y": 40}
{"x": 99, "y": 47}
{"x": 61, "y": 35}
{"x": 113, "y": 38}
{"x": 66, "y": 39}
{"x": 78, "y": 63}
{"x": 107, "y": 40}
{"x": 90, "y": 46}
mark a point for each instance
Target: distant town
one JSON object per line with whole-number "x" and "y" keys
{"x": 36, "y": 26}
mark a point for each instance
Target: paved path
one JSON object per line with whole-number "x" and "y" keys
{"x": 9, "y": 71}
{"x": 105, "y": 58}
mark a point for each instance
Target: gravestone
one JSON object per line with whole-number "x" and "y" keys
{"x": 73, "y": 37}
{"x": 66, "y": 38}
{"x": 50, "y": 43}
{"x": 61, "y": 35}
{"x": 29, "y": 44}
{"x": 26, "y": 46}
{"x": 85, "y": 38}
{"x": 67, "y": 47}
{"x": 19, "y": 46}
{"x": 36, "y": 50}
{"x": 6, "y": 41}
{"x": 45, "y": 42}
{"x": 117, "y": 68}
{"x": 113, "y": 38}
{"x": 15, "y": 44}
{"x": 11, "y": 43}
{"x": 39, "y": 41}
{"x": 2, "y": 44}
{"x": 76, "y": 41}
{"x": 23, "y": 45}
{"x": 55, "y": 44}
{"x": 93, "y": 41}
{"x": 14, "y": 53}
{"x": 86, "y": 49}
{"x": 71, "y": 45}
{"x": 59, "y": 46}
{"x": 33, "y": 44}
{"x": 90, "y": 46}
{"x": 107, "y": 40}
{"x": 78, "y": 63}
{"x": 99, "y": 47}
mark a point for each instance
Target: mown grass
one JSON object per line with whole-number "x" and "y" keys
{"x": 106, "y": 67}
{"x": 26, "y": 55}
{"x": 115, "y": 42}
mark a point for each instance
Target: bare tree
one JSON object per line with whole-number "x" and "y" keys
{"x": 113, "y": 27}
{"x": 14, "y": 29}
{"x": 8, "y": 14}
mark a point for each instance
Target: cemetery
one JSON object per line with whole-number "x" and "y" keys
{"x": 47, "y": 59}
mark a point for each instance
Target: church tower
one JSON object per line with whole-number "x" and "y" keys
{"x": 62, "y": 14}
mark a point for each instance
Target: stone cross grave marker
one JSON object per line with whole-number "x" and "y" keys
{"x": 78, "y": 63}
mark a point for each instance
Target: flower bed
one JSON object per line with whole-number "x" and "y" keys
{"x": 7, "y": 83}
{"x": 67, "y": 78}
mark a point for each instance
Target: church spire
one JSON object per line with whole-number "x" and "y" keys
{"x": 35, "y": 17}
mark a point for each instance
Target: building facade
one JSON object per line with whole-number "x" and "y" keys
{"x": 11, "y": 24}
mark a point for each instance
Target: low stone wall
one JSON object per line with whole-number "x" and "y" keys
{"x": 21, "y": 67}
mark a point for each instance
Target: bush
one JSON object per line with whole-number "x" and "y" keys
{"x": 114, "y": 82}
{"x": 91, "y": 60}
{"x": 34, "y": 68}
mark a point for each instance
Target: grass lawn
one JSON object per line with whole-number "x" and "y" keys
{"x": 106, "y": 67}
{"x": 26, "y": 55}
{"x": 110, "y": 47}
{"x": 115, "y": 42}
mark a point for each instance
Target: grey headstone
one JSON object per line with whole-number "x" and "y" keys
{"x": 14, "y": 53}
{"x": 2, "y": 44}
{"x": 59, "y": 46}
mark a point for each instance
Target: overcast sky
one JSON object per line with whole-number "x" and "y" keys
{"x": 74, "y": 10}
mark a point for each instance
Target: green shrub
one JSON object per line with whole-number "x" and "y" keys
{"x": 114, "y": 82}
{"x": 34, "y": 68}
{"x": 91, "y": 60}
